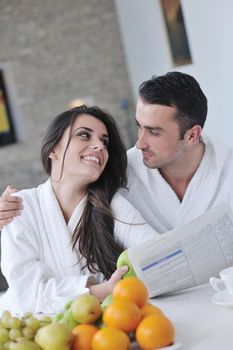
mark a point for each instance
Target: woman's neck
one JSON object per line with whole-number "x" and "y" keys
{"x": 68, "y": 196}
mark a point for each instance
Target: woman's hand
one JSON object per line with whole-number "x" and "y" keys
{"x": 105, "y": 288}
{"x": 10, "y": 206}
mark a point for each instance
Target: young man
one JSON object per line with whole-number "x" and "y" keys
{"x": 175, "y": 173}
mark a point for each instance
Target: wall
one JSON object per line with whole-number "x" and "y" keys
{"x": 209, "y": 27}
{"x": 58, "y": 50}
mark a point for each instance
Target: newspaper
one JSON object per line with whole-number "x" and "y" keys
{"x": 186, "y": 256}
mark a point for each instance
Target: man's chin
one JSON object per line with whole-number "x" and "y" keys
{"x": 149, "y": 164}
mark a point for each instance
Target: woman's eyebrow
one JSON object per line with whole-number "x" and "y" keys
{"x": 88, "y": 129}
{"x": 83, "y": 127}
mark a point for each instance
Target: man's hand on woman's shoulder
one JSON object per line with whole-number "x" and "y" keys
{"x": 10, "y": 206}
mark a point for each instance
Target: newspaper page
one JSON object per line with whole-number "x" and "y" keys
{"x": 186, "y": 256}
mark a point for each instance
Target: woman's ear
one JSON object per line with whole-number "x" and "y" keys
{"x": 53, "y": 154}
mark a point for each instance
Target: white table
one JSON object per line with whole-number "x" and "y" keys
{"x": 199, "y": 323}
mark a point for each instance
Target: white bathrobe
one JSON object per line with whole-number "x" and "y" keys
{"x": 38, "y": 262}
{"x": 211, "y": 185}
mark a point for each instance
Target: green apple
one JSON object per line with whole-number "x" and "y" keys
{"x": 86, "y": 309}
{"x": 122, "y": 260}
{"x": 55, "y": 336}
{"x": 107, "y": 301}
{"x": 68, "y": 319}
{"x": 23, "y": 344}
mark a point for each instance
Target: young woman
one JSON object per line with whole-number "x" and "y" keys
{"x": 74, "y": 226}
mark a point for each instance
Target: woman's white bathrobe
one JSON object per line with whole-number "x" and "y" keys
{"x": 37, "y": 257}
{"x": 211, "y": 185}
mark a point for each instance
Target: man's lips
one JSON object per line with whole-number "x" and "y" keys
{"x": 147, "y": 154}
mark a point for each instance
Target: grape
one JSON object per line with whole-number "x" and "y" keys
{"x": 46, "y": 319}
{"x": 32, "y": 323}
{"x": 14, "y": 333}
{"x": 27, "y": 315}
{"x": 4, "y": 335}
{"x": 15, "y": 322}
{"x": 6, "y": 314}
{"x": 7, "y": 345}
{"x": 28, "y": 333}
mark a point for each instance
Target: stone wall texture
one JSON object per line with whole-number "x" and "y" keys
{"x": 59, "y": 50}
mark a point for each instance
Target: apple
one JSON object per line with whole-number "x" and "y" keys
{"x": 86, "y": 309}
{"x": 122, "y": 260}
{"x": 68, "y": 319}
{"x": 55, "y": 336}
{"x": 107, "y": 301}
{"x": 23, "y": 344}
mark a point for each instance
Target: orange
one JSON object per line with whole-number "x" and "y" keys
{"x": 132, "y": 289}
{"x": 150, "y": 309}
{"x": 154, "y": 332}
{"x": 82, "y": 336}
{"x": 110, "y": 339}
{"x": 122, "y": 314}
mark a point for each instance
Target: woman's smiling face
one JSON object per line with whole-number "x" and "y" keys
{"x": 87, "y": 152}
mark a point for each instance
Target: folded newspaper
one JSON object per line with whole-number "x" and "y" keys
{"x": 186, "y": 256}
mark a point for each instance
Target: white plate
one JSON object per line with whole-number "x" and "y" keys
{"x": 135, "y": 346}
{"x": 223, "y": 298}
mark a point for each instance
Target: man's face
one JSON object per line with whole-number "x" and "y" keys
{"x": 158, "y": 135}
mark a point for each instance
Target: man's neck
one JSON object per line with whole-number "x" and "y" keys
{"x": 179, "y": 176}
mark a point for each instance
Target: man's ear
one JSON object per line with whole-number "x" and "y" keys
{"x": 193, "y": 135}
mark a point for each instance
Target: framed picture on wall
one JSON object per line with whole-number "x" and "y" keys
{"x": 7, "y": 127}
{"x": 177, "y": 36}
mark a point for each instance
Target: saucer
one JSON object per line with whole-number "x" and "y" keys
{"x": 223, "y": 298}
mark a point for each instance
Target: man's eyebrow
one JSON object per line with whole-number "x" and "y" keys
{"x": 148, "y": 127}
{"x": 154, "y": 128}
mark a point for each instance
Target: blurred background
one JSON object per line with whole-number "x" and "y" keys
{"x": 55, "y": 53}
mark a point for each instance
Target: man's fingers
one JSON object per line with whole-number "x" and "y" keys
{"x": 8, "y": 191}
{"x": 10, "y": 205}
{"x": 5, "y": 215}
{"x": 4, "y": 222}
{"x": 13, "y": 199}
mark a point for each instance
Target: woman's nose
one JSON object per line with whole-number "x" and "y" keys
{"x": 98, "y": 145}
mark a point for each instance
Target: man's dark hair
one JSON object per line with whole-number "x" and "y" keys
{"x": 179, "y": 90}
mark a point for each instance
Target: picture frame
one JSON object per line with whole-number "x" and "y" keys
{"x": 8, "y": 133}
{"x": 176, "y": 31}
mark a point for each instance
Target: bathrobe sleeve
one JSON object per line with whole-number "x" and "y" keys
{"x": 130, "y": 227}
{"x": 33, "y": 285}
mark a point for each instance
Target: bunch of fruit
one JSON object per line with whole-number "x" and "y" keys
{"x": 85, "y": 324}
{"x": 19, "y": 333}
{"x": 124, "y": 316}
{"x": 129, "y": 316}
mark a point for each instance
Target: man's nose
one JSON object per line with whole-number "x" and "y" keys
{"x": 141, "y": 141}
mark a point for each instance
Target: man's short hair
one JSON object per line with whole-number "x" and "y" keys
{"x": 179, "y": 90}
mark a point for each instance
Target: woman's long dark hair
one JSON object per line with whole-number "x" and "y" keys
{"x": 94, "y": 231}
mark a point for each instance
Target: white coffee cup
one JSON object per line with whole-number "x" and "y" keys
{"x": 224, "y": 282}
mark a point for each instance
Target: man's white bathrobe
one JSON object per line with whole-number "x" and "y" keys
{"x": 211, "y": 185}
{"x": 38, "y": 262}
